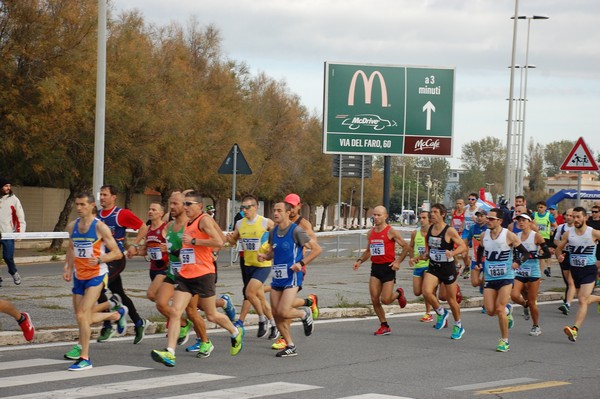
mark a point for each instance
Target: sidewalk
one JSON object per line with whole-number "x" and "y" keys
{"x": 342, "y": 292}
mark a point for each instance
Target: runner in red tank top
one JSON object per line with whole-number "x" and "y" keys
{"x": 382, "y": 251}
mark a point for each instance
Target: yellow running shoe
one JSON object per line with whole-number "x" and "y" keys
{"x": 279, "y": 344}
{"x": 314, "y": 307}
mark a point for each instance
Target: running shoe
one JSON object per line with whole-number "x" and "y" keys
{"x": 205, "y": 350}
{"x": 509, "y": 315}
{"x": 442, "y": 320}
{"x": 314, "y": 306}
{"x": 116, "y": 299}
{"x": 229, "y": 308}
{"x": 274, "y": 333}
{"x": 106, "y": 334}
{"x": 526, "y": 315}
{"x": 184, "y": 333}
{"x": 289, "y": 351}
{"x": 466, "y": 274}
{"x": 238, "y": 323}
{"x": 122, "y": 322}
{"x": 262, "y": 329}
{"x": 237, "y": 343}
{"x": 383, "y": 330}
{"x": 195, "y": 347}
{"x": 564, "y": 308}
{"x": 74, "y": 353}
{"x": 140, "y": 331}
{"x": 571, "y": 333}
{"x": 81, "y": 364}
{"x": 165, "y": 357}
{"x": 536, "y": 331}
{"x": 401, "y": 297}
{"x": 459, "y": 296}
{"x": 427, "y": 318}
{"x": 16, "y": 278}
{"x": 308, "y": 323}
{"x": 503, "y": 346}
{"x": 483, "y": 309}
{"x": 457, "y": 332}
{"x": 548, "y": 272}
{"x": 279, "y": 344}
{"x": 27, "y": 327}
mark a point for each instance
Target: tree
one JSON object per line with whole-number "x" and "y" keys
{"x": 484, "y": 162}
{"x": 535, "y": 165}
{"x": 555, "y": 154}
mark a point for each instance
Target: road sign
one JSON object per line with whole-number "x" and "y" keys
{"x": 352, "y": 166}
{"x": 388, "y": 110}
{"x": 579, "y": 159}
{"x": 241, "y": 165}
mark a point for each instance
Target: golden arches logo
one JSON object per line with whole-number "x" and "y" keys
{"x": 368, "y": 86}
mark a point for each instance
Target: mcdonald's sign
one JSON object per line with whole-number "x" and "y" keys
{"x": 387, "y": 110}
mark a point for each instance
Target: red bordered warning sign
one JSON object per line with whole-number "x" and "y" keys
{"x": 580, "y": 158}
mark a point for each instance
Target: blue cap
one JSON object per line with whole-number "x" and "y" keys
{"x": 552, "y": 206}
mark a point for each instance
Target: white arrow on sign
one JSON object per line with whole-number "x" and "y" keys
{"x": 428, "y": 107}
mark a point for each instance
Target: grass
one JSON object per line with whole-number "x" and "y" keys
{"x": 52, "y": 307}
{"x": 342, "y": 302}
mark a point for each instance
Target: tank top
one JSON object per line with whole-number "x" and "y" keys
{"x": 531, "y": 267}
{"x": 173, "y": 241}
{"x": 196, "y": 260}
{"x": 458, "y": 220}
{"x": 286, "y": 252}
{"x": 438, "y": 247}
{"x": 419, "y": 249}
{"x": 253, "y": 234}
{"x": 383, "y": 250}
{"x": 582, "y": 248}
{"x": 543, "y": 223}
{"x": 498, "y": 257}
{"x": 85, "y": 246}
{"x": 119, "y": 232}
{"x": 154, "y": 237}
{"x": 469, "y": 217}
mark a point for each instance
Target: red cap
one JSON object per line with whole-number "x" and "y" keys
{"x": 292, "y": 199}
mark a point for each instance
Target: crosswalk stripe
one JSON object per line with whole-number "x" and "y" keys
{"x": 29, "y": 379}
{"x": 491, "y": 384}
{"x": 249, "y": 391}
{"x": 119, "y": 388}
{"x": 520, "y": 388}
{"x": 374, "y": 396}
{"x": 19, "y": 364}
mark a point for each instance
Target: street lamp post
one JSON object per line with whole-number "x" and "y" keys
{"x": 417, "y": 195}
{"x": 403, "y": 177}
{"x": 507, "y": 175}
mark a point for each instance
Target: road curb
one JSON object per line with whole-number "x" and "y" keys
{"x": 71, "y": 334}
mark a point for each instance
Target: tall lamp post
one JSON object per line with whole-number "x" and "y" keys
{"x": 508, "y": 184}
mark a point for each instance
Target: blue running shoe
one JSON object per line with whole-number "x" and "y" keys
{"x": 122, "y": 322}
{"x": 165, "y": 357}
{"x": 442, "y": 320}
{"x": 81, "y": 364}
{"x": 229, "y": 308}
{"x": 195, "y": 347}
{"x": 238, "y": 323}
{"x": 457, "y": 332}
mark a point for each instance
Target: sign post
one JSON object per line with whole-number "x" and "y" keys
{"x": 580, "y": 159}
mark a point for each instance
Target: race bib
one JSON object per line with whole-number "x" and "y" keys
{"x": 377, "y": 248}
{"x": 154, "y": 253}
{"x": 250, "y": 244}
{"x": 523, "y": 271}
{"x": 439, "y": 255}
{"x": 187, "y": 256}
{"x": 421, "y": 249}
{"x": 175, "y": 267}
{"x": 280, "y": 272}
{"x": 579, "y": 260}
{"x": 497, "y": 271}
{"x": 83, "y": 249}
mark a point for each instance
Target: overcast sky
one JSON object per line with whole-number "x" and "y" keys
{"x": 291, "y": 39}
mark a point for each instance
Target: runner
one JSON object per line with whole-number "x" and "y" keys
{"x": 252, "y": 231}
{"x": 469, "y": 220}
{"x": 381, "y": 248}
{"x": 570, "y": 289}
{"x": 284, "y": 247}
{"x": 118, "y": 220}
{"x": 458, "y": 222}
{"x": 155, "y": 238}
{"x": 87, "y": 260}
{"x": 474, "y": 235}
{"x": 498, "y": 269}
{"x": 527, "y": 276}
{"x": 419, "y": 246}
{"x": 443, "y": 244}
{"x": 196, "y": 277}
{"x": 546, "y": 224}
{"x": 580, "y": 242}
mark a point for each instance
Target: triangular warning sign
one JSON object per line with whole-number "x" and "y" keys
{"x": 580, "y": 158}
{"x": 241, "y": 165}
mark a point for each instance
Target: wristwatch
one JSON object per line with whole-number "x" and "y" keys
{"x": 193, "y": 241}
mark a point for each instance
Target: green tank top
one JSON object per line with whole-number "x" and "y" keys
{"x": 174, "y": 244}
{"x": 419, "y": 249}
{"x": 543, "y": 223}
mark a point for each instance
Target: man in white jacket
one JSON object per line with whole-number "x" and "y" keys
{"x": 12, "y": 220}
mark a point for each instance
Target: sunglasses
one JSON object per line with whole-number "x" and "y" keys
{"x": 244, "y": 207}
{"x": 492, "y": 218}
{"x": 472, "y": 199}
{"x": 595, "y": 211}
{"x": 190, "y": 203}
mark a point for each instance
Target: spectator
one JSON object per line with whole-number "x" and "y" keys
{"x": 12, "y": 220}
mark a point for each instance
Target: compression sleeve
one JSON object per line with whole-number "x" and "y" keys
{"x": 524, "y": 254}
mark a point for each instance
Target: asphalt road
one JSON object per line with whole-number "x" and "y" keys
{"x": 342, "y": 359}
